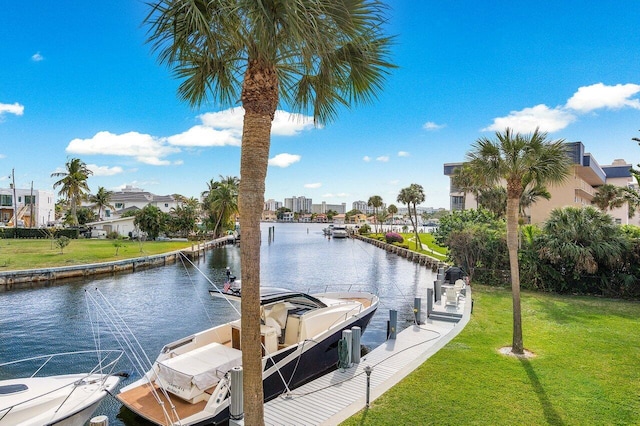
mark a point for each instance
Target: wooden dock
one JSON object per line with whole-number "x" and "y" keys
{"x": 338, "y": 395}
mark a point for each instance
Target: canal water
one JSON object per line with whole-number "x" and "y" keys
{"x": 164, "y": 304}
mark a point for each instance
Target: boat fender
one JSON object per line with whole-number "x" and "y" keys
{"x": 343, "y": 354}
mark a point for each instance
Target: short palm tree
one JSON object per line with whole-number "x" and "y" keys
{"x": 316, "y": 57}
{"x": 73, "y": 184}
{"x": 609, "y": 197}
{"x": 519, "y": 160}
{"x": 464, "y": 181}
{"x": 101, "y": 200}
{"x": 581, "y": 240}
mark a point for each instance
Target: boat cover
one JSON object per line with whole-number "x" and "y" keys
{"x": 198, "y": 367}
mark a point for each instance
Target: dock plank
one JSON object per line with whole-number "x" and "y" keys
{"x": 337, "y": 395}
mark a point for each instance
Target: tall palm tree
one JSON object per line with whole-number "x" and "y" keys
{"x": 73, "y": 184}
{"x": 220, "y": 201}
{"x": 412, "y": 196}
{"x": 518, "y": 160}
{"x": 315, "y": 57}
{"x": 101, "y": 200}
{"x": 375, "y": 201}
{"x": 393, "y": 210}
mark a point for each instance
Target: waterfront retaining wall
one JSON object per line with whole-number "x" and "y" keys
{"x": 39, "y": 277}
{"x": 419, "y": 258}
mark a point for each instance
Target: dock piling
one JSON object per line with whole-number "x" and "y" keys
{"x": 417, "y": 302}
{"x": 393, "y": 324}
{"x": 236, "y": 399}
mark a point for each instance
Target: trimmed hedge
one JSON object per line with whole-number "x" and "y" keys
{"x": 34, "y": 233}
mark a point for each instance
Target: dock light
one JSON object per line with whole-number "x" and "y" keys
{"x": 368, "y": 369}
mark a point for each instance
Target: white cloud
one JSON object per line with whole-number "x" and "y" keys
{"x": 223, "y": 128}
{"x": 313, "y": 185}
{"x": 16, "y": 109}
{"x": 288, "y": 124}
{"x": 37, "y": 57}
{"x": 338, "y": 195}
{"x": 3, "y": 156}
{"x": 202, "y": 136}
{"x": 284, "y": 123}
{"x": 104, "y": 170}
{"x": 284, "y": 160}
{"x": 403, "y": 154}
{"x": 366, "y": 158}
{"x": 596, "y": 96}
{"x": 430, "y": 125}
{"x": 394, "y": 181}
{"x": 228, "y": 119}
{"x": 586, "y": 99}
{"x": 528, "y": 119}
{"x": 144, "y": 148}
{"x": 383, "y": 158}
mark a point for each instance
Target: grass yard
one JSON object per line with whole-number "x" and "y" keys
{"x": 586, "y": 370}
{"x": 16, "y": 254}
{"x": 428, "y": 244}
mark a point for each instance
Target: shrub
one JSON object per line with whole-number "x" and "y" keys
{"x": 364, "y": 229}
{"x": 393, "y": 237}
{"x": 113, "y": 235}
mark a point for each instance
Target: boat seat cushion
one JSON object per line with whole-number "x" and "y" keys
{"x": 199, "y": 367}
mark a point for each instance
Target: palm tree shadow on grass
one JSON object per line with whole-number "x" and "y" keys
{"x": 550, "y": 413}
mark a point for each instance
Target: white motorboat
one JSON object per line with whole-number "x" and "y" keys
{"x": 340, "y": 232}
{"x": 61, "y": 400}
{"x": 300, "y": 335}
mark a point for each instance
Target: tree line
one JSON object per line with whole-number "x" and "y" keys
{"x": 214, "y": 215}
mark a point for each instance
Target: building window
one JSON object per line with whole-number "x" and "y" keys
{"x": 618, "y": 221}
{"x": 166, "y": 204}
{"x": 107, "y": 213}
{"x": 457, "y": 202}
{"x": 119, "y": 205}
{"x": 6, "y": 200}
{"x": 29, "y": 199}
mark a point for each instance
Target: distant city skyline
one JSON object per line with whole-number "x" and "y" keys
{"x": 78, "y": 81}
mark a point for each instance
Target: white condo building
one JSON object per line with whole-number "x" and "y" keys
{"x": 298, "y": 204}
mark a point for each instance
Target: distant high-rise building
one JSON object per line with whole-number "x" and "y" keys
{"x": 300, "y": 204}
{"x": 324, "y": 208}
{"x": 364, "y": 207}
{"x": 272, "y": 205}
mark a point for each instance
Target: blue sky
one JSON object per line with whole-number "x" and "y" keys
{"x": 78, "y": 80}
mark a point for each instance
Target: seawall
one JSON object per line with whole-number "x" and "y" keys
{"x": 43, "y": 276}
{"x": 419, "y": 258}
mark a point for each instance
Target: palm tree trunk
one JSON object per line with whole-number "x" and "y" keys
{"x": 517, "y": 346}
{"x": 415, "y": 227}
{"x": 259, "y": 98}
{"x": 253, "y": 168}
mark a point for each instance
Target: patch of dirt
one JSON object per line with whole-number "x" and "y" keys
{"x": 507, "y": 351}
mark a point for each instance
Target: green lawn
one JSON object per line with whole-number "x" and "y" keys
{"x": 428, "y": 244}
{"x": 18, "y": 254}
{"x": 586, "y": 370}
